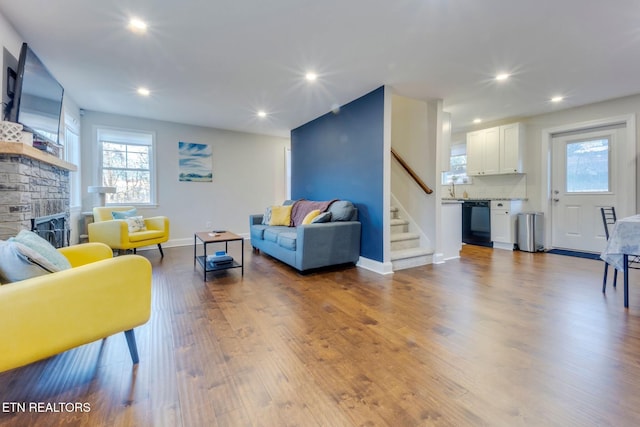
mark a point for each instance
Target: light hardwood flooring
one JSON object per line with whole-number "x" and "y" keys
{"x": 496, "y": 338}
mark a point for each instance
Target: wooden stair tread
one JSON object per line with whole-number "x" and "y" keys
{"x": 410, "y": 253}
{"x": 397, "y": 237}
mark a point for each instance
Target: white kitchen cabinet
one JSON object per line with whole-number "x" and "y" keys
{"x": 495, "y": 151}
{"x": 511, "y": 138}
{"x": 504, "y": 214}
{"x": 483, "y": 152}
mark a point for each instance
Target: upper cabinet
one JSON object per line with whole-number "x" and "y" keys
{"x": 495, "y": 150}
{"x": 511, "y": 139}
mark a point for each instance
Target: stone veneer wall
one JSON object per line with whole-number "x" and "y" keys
{"x": 30, "y": 188}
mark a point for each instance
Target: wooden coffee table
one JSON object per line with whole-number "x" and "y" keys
{"x": 208, "y": 237}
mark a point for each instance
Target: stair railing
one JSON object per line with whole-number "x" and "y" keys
{"x": 411, "y": 172}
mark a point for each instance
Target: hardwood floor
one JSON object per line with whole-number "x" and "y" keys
{"x": 495, "y": 338}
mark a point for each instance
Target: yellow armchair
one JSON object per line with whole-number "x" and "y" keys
{"x": 98, "y": 297}
{"x": 115, "y": 232}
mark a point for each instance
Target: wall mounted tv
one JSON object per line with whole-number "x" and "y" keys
{"x": 36, "y": 102}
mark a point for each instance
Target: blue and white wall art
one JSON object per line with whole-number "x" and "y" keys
{"x": 196, "y": 162}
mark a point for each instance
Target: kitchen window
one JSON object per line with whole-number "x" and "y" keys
{"x": 457, "y": 173}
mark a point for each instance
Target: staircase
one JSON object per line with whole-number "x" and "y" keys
{"x": 406, "y": 251}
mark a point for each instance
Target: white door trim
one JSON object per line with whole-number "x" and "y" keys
{"x": 628, "y": 206}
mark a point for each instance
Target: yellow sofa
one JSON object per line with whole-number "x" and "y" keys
{"x": 115, "y": 232}
{"x": 98, "y": 297}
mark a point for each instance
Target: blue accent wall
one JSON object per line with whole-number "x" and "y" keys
{"x": 341, "y": 156}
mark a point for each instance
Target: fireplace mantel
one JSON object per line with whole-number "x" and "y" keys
{"x": 20, "y": 149}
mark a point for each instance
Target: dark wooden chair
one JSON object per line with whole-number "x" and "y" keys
{"x": 609, "y": 219}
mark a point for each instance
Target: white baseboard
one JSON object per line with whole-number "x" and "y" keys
{"x": 375, "y": 266}
{"x": 505, "y": 246}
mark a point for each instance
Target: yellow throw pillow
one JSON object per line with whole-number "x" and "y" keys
{"x": 281, "y": 215}
{"x": 310, "y": 216}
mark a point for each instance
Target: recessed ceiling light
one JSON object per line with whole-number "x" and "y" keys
{"x": 502, "y": 76}
{"x": 311, "y": 76}
{"x": 137, "y": 25}
{"x": 262, "y": 114}
{"x": 476, "y": 121}
{"x": 144, "y": 91}
{"x": 557, "y": 99}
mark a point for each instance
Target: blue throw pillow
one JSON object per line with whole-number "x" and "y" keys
{"x": 124, "y": 214}
{"x": 323, "y": 217}
{"x": 43, "y": 248}
{"x": 19, "y": 262}
{"x": 341, "y": 210}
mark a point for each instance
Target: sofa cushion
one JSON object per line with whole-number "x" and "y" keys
{"x": 280, "y": 215}
{"x": 257, "y": 231}
{"x": 56, "y": 260}
{"x": 145, "y": 235}
{"x": 342, "y": 210}
{"x": 271, "y": 233}
{"x": 287, "y": 240}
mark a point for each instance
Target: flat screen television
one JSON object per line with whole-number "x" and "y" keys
{"x": 37, "y": 97}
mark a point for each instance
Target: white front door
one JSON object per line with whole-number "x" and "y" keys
{"x": 585, "y": 177}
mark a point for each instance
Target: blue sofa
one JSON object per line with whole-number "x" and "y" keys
{"x": 311, "y": 246}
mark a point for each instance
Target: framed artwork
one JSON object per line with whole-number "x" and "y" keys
{"x": 196, "y": 162}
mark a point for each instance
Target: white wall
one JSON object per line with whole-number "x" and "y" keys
{"x": 536, "y": 125}
{"x": 248, "y": 174}
{"x": 11, "y": 41}
{"x": 413, "y": 137}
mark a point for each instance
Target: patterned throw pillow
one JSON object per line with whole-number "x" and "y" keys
{"x": 266, "y": 218}
{"x": 136, "y": 223}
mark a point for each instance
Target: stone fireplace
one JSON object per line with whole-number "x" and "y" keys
{"x": 33, "y": 184}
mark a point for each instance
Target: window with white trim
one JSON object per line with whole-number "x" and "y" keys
{"x": 127, "y": 163}
{"x": 72, "y": 155}
{"x": 457, "y": 173}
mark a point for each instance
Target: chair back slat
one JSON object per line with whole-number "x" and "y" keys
{"x": 608, "y": 218}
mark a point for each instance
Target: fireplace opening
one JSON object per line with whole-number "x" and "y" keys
{"x": 52, "y": 228}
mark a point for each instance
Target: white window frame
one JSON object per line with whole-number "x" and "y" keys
{"x": 72, "y": 154}
{"x": 459, "y": 149}
{"x": 133, "y": 137}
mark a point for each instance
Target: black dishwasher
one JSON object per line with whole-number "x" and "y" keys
{"x": 476, "y": 222}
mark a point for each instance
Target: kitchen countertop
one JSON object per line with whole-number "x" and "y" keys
{"x": 460, "y": 199}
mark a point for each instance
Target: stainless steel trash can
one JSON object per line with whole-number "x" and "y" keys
{"x": 530, "y": 231}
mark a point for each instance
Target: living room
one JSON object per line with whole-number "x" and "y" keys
{"x": 341, "y": 346}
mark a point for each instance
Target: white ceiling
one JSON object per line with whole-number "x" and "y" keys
{"x": 216, "y": 63}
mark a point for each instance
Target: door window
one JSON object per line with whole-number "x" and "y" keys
{"x": 588, "y": 166}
